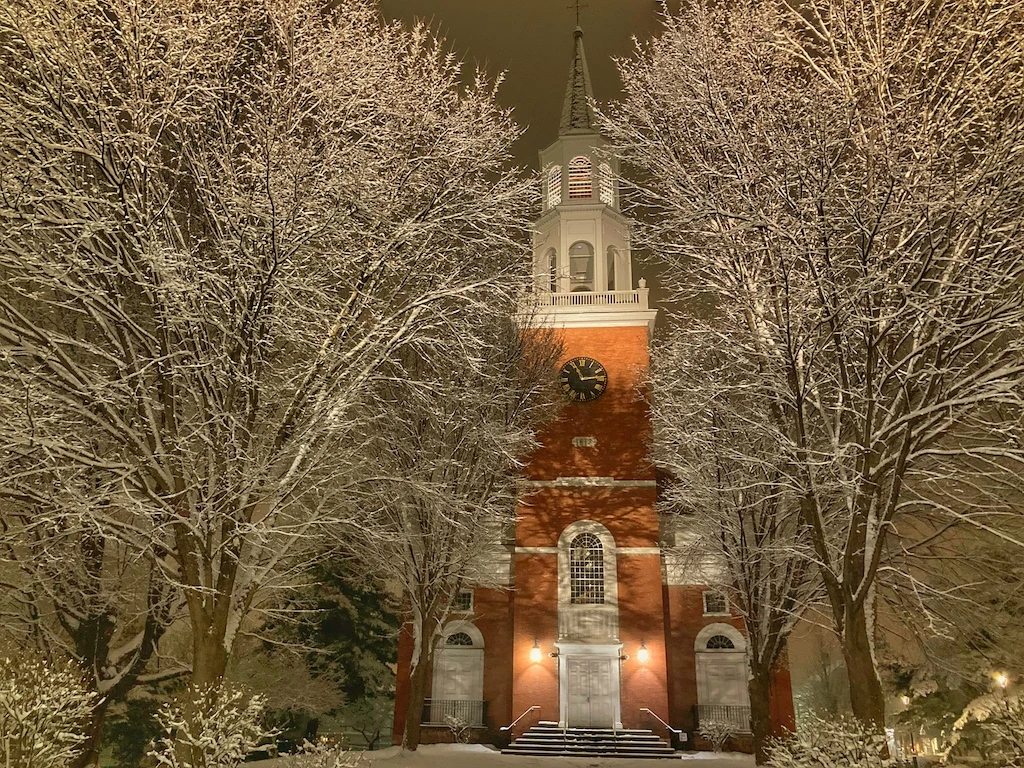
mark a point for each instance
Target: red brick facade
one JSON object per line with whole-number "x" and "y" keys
{"x": 666, "y": 618}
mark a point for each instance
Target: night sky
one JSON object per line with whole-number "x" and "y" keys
{"x": 531, "y": 40}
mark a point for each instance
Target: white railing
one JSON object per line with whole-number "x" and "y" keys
{"x": 594, "y": 298}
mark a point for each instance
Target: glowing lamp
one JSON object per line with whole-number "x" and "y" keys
{"x": 643, "y": 654}
{"x": 535, "y": 654}
{"x": 906, "y": 700}
{"x": 1002, "y": 679}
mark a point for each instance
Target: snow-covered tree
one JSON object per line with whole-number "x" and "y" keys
{"x": 220, "y": 725}
{"x": 44, "y": 713}
{"x": 69, "y": 589}
{"x": 841, "y": 188}
{"x": 737, "y": 505}
{"x": 217, "y": 220}
{"x": 439, "y": 493}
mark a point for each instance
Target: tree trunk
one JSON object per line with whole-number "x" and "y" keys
{"x": 866, "y": 697}
{"x": 417, "y": 693}
{"x": 759, "y": 688}
{"x": 209, "y": 658}
{"x": 90, "y": 754}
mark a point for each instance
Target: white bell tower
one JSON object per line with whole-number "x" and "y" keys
{"x": 581, "y": 250}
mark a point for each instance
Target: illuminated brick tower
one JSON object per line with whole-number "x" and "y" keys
{"x": 601, "y": 627}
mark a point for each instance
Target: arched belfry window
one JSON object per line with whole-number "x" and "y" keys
{"x": 586, "y": 570}
{"x": 581, "y": 266}
{"x": 553, "y": 187}
{"x": 580, "y": 178}
{"x": 607, "y": 184}
{"x": 552, "y": 269}
{"x": 613, "y": 255}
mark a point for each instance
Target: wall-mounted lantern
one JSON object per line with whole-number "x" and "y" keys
{"x": 535, "y": 654}
{"x": 643, "y": 655}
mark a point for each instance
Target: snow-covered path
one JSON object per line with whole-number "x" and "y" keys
{"x": 479, "y": 756}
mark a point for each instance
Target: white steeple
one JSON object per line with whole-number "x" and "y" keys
{"x": 582, "y": 255}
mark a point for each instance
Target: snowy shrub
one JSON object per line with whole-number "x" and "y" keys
{"x": 322, "y": 755}
{"x": 840, "y": 743}
{"x": 44, "y": 709}
{"x": 212, "y": 728}
{"x": 717, "y": 732}
{"x": 459, "y": 728}
{"x": 991, "y": 726}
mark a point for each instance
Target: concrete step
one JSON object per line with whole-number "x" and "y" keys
{"x": 535, "y": 739}
{"x": 548, "y": 739}
{"x": 591, "y": 753}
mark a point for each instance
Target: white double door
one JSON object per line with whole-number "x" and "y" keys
{"x": 590, "y": 691}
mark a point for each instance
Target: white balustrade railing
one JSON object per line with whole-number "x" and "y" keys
{"x": 624, "y": 299}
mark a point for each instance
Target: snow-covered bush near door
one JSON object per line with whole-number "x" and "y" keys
{"x": 43, "y": 711}
{"x": 212, "y": 728}
{"x": 841, "y": 743}
{"x": 717, "y": 732}
{"x": 322, "y": 756}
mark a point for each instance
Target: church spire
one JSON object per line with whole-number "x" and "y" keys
{"x": 577, "y": 116}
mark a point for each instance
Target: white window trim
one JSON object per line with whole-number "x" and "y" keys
{"x": 568, "y": 612}
{"x": 472, "y": 601}
{"x": 704, "y": 601}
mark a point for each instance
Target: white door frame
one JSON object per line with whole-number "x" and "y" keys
{"x": 612, "y": 652}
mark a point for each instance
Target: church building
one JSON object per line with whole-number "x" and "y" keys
{"x": 601, "y": 626}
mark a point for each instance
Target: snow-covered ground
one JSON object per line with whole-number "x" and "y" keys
{"x": 480, "y": 756}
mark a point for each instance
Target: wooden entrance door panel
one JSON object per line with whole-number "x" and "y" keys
{"x": 590, "y": 693}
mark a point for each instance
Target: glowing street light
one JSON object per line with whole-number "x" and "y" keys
{"x": 1002, "y": 679}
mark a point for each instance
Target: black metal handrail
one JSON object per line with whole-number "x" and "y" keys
{"x": 468, "y": 711}
{"x": 676, "y": 737}
{"x": 515, "y": 722}
{"x": 738, "y": 717}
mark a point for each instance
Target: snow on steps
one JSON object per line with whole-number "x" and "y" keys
{"x": 547, "y": 738}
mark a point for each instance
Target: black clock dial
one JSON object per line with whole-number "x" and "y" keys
{"x": 583, "y": 379}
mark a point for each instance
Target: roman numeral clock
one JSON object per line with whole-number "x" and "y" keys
{"x": 583, "y": 379}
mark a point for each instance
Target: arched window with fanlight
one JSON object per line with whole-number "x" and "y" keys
{"x": 581, "y": 266}
{"x": 722, "y": 673}
{"x": 613, "y": 256}
{"x": 553, "y": 187}
{"x": 581, "y": 183}
{"x": 457, "y": 689}
{"x": 586, "y": 570}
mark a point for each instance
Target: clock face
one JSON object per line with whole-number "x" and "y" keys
{"x": 583, "y": 379}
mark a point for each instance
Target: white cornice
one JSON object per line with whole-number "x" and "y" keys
{"x": 618, "y": 550}
{"x": 596, "y": 318}
{"x": 588, "y": 482}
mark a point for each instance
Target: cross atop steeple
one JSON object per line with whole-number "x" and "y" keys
{"x": 577, "y": 5}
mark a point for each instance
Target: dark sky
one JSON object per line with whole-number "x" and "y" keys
{"x": 531, "y": 40}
